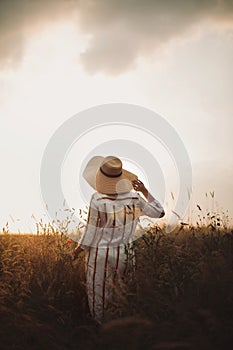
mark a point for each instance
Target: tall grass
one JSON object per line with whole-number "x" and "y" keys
{"x": 177, "y": 293}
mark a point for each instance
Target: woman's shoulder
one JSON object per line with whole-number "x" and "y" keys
{"x": 98, "y": 196}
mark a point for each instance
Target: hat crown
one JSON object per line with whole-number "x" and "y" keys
{"x": 111, "y": 166}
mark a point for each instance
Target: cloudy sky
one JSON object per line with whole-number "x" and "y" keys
{"x": 59, "y": 57}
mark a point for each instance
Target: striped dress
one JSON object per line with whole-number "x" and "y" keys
{"x": 111, "y": 223}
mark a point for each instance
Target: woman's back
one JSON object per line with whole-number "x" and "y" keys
{"x": 113, "y": 219}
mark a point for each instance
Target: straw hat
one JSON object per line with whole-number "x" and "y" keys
{"x": 106, "y": 175}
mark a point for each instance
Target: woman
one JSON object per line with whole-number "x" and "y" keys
{"x": 112, "y": 219}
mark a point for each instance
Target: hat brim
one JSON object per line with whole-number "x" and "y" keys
{"x": 105, "y": 184}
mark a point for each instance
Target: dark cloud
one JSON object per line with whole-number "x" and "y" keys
{"x": 123, "y": 31}
{"x": 120, "y": 30}
{"x": 19, "y": 18}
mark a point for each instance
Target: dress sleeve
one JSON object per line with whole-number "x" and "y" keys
{"x": 89, "y": 233}
{"x": 153, "y": 209}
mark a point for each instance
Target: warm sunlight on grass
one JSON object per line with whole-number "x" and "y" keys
{"x": 178, "y": 290}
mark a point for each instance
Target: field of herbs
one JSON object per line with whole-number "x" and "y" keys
{"x": 177, "y": 294}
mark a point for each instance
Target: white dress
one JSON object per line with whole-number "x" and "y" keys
{"x": 111, "y": 223}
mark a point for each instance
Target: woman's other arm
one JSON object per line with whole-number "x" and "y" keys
{"x": 88, "y": 236}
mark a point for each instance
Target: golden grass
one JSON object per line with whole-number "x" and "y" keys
{"x": 177, "y": 293}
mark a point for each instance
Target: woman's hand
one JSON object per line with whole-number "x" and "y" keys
{"x": 139, "y": 186}
{"x": 74, "y": 255}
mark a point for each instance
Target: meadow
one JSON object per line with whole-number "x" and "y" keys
{"x": 177, "y": 294}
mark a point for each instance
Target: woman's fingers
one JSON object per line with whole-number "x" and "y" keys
{"x": 137, "y": 182}
{"x": 138, "y": 185}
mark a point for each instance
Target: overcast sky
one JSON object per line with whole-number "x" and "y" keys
{"x": 60, "y": 57}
